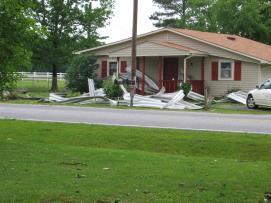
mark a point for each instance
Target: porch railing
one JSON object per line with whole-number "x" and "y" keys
{"x": 172, "y": 85}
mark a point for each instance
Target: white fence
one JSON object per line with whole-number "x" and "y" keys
{"x": 40, "y": 75}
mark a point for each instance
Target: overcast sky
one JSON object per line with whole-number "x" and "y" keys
{"x": 120, "y": 26}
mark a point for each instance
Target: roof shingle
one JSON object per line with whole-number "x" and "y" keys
{"x": 233, "y": 42}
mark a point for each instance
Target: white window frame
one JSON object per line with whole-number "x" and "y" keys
{"x": 232, "y": 68}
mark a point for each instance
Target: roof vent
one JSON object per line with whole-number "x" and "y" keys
{"x": 231, "y": 38}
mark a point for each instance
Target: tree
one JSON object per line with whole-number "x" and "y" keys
{"x": 180, "y": 13}
{"x": 67, "y": 25}
{"x": 16, "y": 31}
{"x": 82, "y": 68}
{"x": 246, "y": 18}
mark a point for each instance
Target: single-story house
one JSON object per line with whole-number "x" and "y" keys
{"x": 222, "y": 62}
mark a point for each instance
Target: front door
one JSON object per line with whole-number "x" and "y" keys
{"x": 170, "y": 80}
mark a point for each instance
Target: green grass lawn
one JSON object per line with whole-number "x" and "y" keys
{"x": 54, "y": 162}
{"x": 39, "y": 88}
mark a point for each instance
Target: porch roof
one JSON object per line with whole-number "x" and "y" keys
{"x": 151, "y": 48}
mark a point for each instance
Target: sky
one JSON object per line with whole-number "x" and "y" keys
{"x": 120, "y": 26}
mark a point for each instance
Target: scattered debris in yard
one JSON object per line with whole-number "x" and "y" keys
{"x": 150, "y": 86}
{"x": 93, "y": 95}
{"x": 239, "y": 96}
{"x": 161, "y": 100}
{"x": 158, "y": 98}
{"x": 195, "y": 96}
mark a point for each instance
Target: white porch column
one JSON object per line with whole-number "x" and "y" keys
{"x": 185, "y": 67}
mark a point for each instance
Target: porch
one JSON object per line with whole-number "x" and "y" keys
{"x": 169, "y": 72}
{"x": 167, "y": 64}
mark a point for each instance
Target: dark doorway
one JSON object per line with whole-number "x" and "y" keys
{"x": 170, "y": 80}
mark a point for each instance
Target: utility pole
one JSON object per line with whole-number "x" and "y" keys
{"x": 133, "y": 68}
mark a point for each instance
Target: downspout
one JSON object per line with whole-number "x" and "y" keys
{"x": 185, "y": 68}
{"x": 118, "y": 66}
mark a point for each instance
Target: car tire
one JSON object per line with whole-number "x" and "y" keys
{"x": 251, "y": 103}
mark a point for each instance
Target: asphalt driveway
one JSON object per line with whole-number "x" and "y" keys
{"x": 140, "y": 118}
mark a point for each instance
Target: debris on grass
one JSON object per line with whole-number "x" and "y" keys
{"x": 80, "y": 175}
{"x": 74, "y": 163}
{"x": 239, "y": 96}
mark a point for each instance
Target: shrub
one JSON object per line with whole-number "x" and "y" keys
{"x": 8, "y": 82}
{"x": 81, "y": 68}
{"x": 186, "y": 87}
{"x": 111, "y": 88}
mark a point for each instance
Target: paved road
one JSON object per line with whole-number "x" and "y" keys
{"x": 142, "y": 118}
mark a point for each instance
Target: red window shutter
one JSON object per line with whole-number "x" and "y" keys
{"x": 237, "y": 70}
{"x": 215, "y": 70}
{"x": 104, "y": 69}
{"x": 123, "y": 66}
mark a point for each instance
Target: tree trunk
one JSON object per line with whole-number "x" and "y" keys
{"x": 54, "y": 79}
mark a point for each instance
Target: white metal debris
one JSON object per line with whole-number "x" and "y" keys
{"x": 93, "y": 95}
{"x": 141, "y": 101}
{"x": 149, "y": 87}
{"x": 92, "y": 91}
{"x": 195, "y": 96}
{"x": 239, "y": 96}
{"x": 161, "y": 100}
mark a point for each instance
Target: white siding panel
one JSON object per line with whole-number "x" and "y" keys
{"x": 219, "y": 88}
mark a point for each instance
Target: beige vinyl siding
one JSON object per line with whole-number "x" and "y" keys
{"x": 156, "y": 37}
{"x": 214, "y": 51}
{"x": 149, "y": 49}
{"x": 152, "y": 68}
{"x": 249, "y": 78}
{"x": 193, "y": 68}
{"x": 265, "y": 73}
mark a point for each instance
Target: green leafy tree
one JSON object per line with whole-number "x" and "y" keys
{"x": 16, "y": 31}
{"x": 180, "y": 13}
{"x": 246, "y": 18}
{"x": 67, "y": 25}
{"x": 82, "y": 68}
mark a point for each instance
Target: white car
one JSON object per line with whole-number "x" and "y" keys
{"x": 261, "y": 96}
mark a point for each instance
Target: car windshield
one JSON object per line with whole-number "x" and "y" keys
{"x": 266, "y": 85}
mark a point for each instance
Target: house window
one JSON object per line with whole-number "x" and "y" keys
{"x": 112, "y": 68}
{"x": 226, "y": 70}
